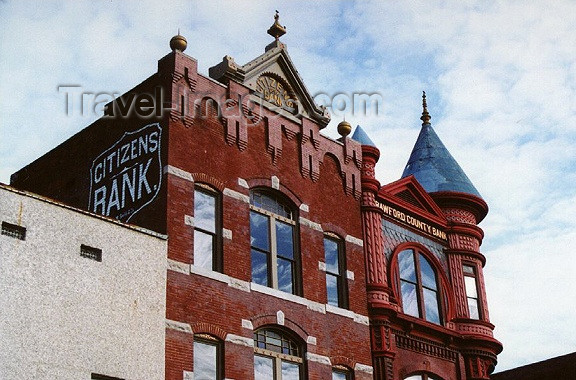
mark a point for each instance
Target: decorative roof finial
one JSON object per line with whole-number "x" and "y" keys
{"x": 344, "y": 128}
{"x": 178, "y": 42}
{"x": 277, "y": 30}
{"x": 425, "y": 115}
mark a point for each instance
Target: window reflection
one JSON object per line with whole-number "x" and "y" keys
{"x": 419, "y": 286}
{"x": 263, "y": 368}
{"x": 471, "y": 291}
{"x": 338, "y": 374}
{"x": 206, "y": 235}
{"x": 272, "y": 237}
{"x": 206, "y": 366}
{"x": 335, "y": 271}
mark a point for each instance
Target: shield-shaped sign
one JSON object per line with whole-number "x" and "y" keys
{"x": 127, "y": 176}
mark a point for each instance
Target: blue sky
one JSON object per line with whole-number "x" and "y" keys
{"x": 500, "y": 78}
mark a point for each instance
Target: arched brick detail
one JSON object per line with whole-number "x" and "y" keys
{"x": 207, "y": 328}
{"x": 334, "y": 229}
{"x": 267, "y": 182}
{"x": 270, "y": 320}
{"x": 209, "y": 180}
{"x": 343, "y": 361}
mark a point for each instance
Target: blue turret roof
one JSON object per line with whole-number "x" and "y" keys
{"x": 433, "y": 165}
{"x": 361, "y": 136}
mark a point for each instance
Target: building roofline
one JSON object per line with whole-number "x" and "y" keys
{"x": 80, "y": 211}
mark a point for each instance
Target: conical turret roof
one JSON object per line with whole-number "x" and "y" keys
{"x": 433, "y": 165}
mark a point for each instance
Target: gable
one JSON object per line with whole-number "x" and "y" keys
{"x": 274, "y": 82}
{"x": 408, "y": 193}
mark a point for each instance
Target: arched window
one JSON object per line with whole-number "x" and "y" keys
{"x": 419, "y": 286}
{"x": 207, "y": 228}
{"x": 273, "y": 242}
{"x": 277, "y": 356}
{"x": 207, "y": 357}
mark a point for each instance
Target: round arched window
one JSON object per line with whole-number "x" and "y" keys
{"x": 419, "y": 286}
{"x": 277, "y": 356}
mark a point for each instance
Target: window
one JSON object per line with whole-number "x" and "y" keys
{"x": 277, "y": 356}
{"x": 12, "y": 230}
{"x": 96, "y": 376}
{"x": 91, "y": 252}
{"x": 419, "y": 286}
{"x": 273, "y": 242}
{"x": 206, "y": 228}
{"x": 421, "y": 377}
{"x": 471, "y": 291}
{"x": 207, "y": 357}
{"x": 341, "y": 374}
{"x": 335, "y": 271}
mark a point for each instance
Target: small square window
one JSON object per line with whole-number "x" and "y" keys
{"x": 91, "y": 252}
{"x": 96, "y": 376}
{"x": 12, "y": 230}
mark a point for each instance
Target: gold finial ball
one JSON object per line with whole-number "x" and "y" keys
{"x": 178, "y": 42}
{"x": 344, "y": 128}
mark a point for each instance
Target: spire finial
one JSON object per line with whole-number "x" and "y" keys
{"x": 277, "y": 30}
{"x": 178, "y": 42}
{"x": 425, "y": 115}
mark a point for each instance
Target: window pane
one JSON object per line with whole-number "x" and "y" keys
{"x": 290, "y": 371}
{"x": 409, "y": 299}
{"x": 338, "y": 375}
{"x": 331, "y": 256}
{"x": 204, "y": 211}
{"x": 431, "y": 306}
{"x": 428, "y": 274}
{"x": 468, "y": 269}
{"x": 406, "y": 265}
{"x": 332, "y": 289}
{"x": 285, "y": 277}
{"x": 284, "y": 239}
{"x": 473, "y": 308}
{"x": 415, "y": 377}
{"x": 263, "y": 368}
{"x": 270, "y": 203}
{"x": 205, "y": 359}
{"x": 260, "y": 268}
{"x": 470, "y": 287}
{"x": 259, "y": 231}
{"x": 203, "y": 249}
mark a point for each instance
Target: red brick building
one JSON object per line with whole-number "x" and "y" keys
{"x": 286, "y": 257}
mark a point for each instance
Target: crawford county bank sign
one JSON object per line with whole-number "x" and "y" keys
{"x": 127, "y": 176}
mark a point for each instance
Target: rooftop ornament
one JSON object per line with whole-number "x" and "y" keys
{"x": 178, "y": 43}
{"x": 344, "y": 128}
{"x": 425, "y": 115}
{"x": 277, "y": 30}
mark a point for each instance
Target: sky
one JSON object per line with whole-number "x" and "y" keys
{"x": 500, "y": 78}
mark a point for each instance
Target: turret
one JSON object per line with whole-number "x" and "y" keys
{"x": 445, "y": 181}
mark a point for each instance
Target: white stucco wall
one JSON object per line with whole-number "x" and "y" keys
{"x": 63, "y": 316}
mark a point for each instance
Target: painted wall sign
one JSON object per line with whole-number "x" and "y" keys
{"x": 127, "y": 176}
{"x": 412, "y": 221}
